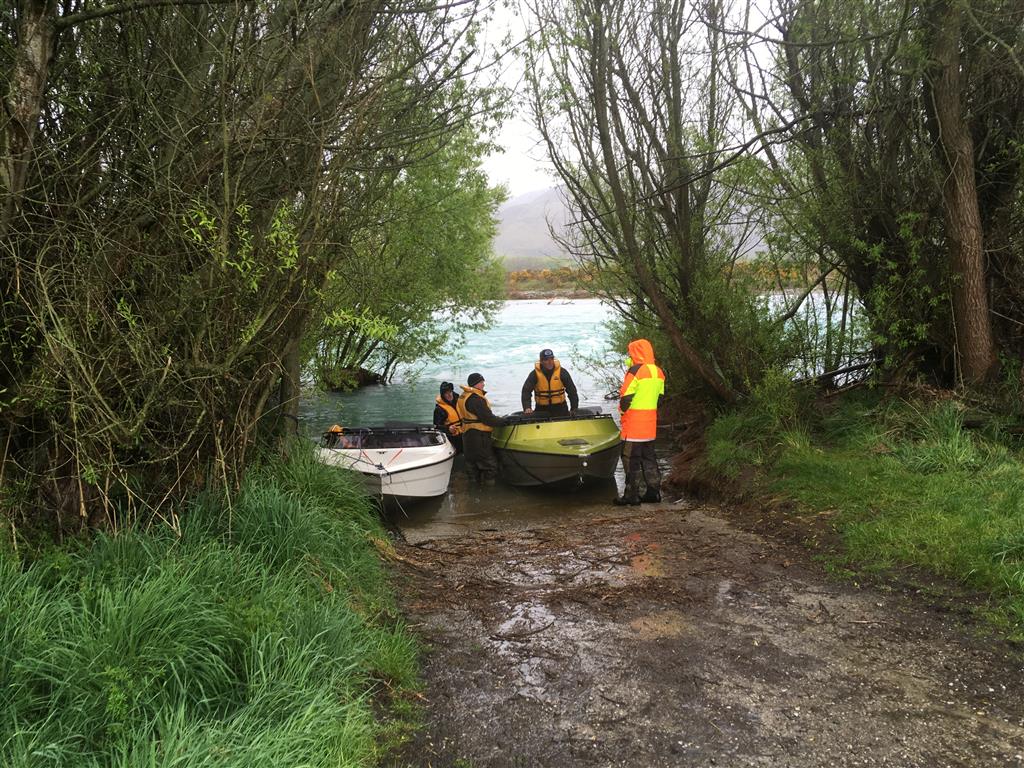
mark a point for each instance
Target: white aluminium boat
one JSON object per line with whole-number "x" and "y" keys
{"x": 407, "y": 462}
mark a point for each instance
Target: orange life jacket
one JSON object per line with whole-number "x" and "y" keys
{"x": 469, "y": 419}
{"x": 549, "y": 391}
{"x": 453, "y": 423}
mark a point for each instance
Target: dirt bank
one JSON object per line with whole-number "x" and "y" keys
{"x": 665, "y": 636}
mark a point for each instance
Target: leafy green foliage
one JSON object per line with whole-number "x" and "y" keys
{"x": 907, "y": 298}
{"x": 198, "y": 173}
{"x": 859, "y": 186}
{"x": 421, "y": 277}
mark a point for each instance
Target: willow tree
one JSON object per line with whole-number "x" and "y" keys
{"x": 629, "y": 99}
{"x": 179, "y": 180}
{"x": 900, "y": 126}
{"x": 421, "y": 274}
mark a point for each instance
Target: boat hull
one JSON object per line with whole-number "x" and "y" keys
{"x": 542, "y": 451}
{"x": 408, "y": 471}
{"x": 524, "y": 468}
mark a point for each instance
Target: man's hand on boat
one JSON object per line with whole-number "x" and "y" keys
{"x": 527, "y": 411}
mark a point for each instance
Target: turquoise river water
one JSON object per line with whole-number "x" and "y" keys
{"x": 504, "y": 354}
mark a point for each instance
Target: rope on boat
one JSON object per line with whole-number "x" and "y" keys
{"x": 516, "y": 461}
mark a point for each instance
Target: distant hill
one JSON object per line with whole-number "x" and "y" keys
{"x": 523, "y": 239}
{"x": 525, "y": 242}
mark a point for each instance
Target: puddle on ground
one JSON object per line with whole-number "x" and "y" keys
{"x": 647, "y": 565}
{"x": 724, "y": 587}
{"x": 610, "y": 566}
{"x": 466, "y": 509}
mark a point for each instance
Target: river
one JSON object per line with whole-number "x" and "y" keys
{"x": 504, "y": 353}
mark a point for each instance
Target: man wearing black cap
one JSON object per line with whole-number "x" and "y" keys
{"x": 446, "y": 416}
{"x": 477, "y": 422}
{"x": 549, "y": 382}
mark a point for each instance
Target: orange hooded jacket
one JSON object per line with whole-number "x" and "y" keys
{"x": 643, "y": 384}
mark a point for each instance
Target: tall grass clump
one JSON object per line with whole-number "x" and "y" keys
{"x": 934, "y": 440}
{"x": 773, "y": 419}
{"x": 261, "y": 636}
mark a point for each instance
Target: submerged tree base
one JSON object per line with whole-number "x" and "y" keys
{"x": 349, "y": 379}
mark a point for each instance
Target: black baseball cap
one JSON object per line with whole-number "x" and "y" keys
{"x": 447, "y": 386}
{"x": 546, "y": 354}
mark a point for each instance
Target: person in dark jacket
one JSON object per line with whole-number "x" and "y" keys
{"x": 549, "y": 383}
{"x": 446, "y": 415}
{"x": 477, "y": 423}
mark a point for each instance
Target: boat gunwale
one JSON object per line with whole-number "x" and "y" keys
{"x": 381, "y": 472}
{"x": 560, "y": 453}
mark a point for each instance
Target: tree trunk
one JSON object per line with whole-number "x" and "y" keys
{"x": 975, "y": 345}
{"x": 24, "y": 101}
{"x": 289, "y": 396}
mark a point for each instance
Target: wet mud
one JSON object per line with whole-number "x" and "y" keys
{"x": 663, "y": 635}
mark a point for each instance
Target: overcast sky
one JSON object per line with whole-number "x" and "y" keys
{"x": 522, "y": 167}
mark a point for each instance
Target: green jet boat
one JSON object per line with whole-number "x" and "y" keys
{"x": 536, "y": 449}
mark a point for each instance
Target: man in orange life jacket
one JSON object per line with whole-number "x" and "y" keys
{"x": 446, "y": 416}
{"x": 477, "y": 422}
{"x": 643, "y": 384}
{"x": 549, "y": 383}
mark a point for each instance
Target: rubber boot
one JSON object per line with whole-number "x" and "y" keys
{"x": 630, "y": 496}
{"x": 651, "y": 496}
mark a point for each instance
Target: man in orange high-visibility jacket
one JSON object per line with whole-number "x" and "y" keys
{"x": 638, "y": 403}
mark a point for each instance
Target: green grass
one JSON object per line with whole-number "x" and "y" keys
{"x": 907, "y": 486}
{"x": 264, "y": 635}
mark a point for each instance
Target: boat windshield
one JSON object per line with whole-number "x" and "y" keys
{"x": 518, "y": 417}
{"x": 383, "y": 438}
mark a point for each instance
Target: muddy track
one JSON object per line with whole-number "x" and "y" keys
{"x": 665, "y": 636}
